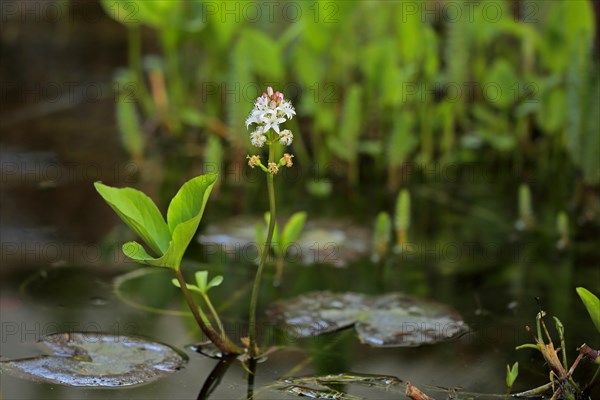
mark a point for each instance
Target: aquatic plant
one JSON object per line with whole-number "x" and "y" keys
{"x": 561, "y": 382}
{"x": 270, "y": 110}
{"x": 402, "y": 219}
{"x": 168, "y": 240}
{"x": 381, "y": 236}
{"x": 592, "y": 304}
{"x": 526, "y": 219}
{"x": 511, "y": 375}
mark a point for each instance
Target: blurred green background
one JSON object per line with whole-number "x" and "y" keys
{"x": 377, "y": 84}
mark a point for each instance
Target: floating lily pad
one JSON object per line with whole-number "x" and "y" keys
{"x": 317, "y": 313}
{"x": 313, "y": 393}
{"x": 96, "y": 360}
{"x": 372, "y": 380}
{"x": 322, "y": 241}
{"x": 398, "y": 320}
{"x": 394, "y": 319}
{"x": 328, "y": 386}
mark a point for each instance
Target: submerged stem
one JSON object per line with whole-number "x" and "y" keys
{"x": 223, "y": 343}
{"x": 263, "y": 259}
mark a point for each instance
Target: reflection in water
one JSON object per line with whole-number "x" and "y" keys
{"x": 216, "y": 375}
{"x": 251, "y": 364}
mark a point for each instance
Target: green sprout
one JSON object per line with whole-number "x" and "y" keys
{"x": 526, "y": 218}
{"x": 168, "y": 240}
{"x": 381, "y": 236}
{"x": 562, "y": 227}
{"x": 511, "y": 375}
{"x": 202, "y": 287}
{"x": 402, "y": 219}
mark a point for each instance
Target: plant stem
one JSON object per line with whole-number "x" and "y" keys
{"x": 279, "y": 270}
{"x": 214, "y": 314}
{"x": 222, "y": 343}
{"x": 263, "y": 259}
{"x": 535, "y": 391}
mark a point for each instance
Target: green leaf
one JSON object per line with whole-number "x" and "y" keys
{"x": 402, "y": 141}
{"x": 193, "y": 117}
{"x": 552, "y": 111}
{"x": 123, "y": 11}
{"x": 292, "y": 229}
{"x": 345, "y": 143}
{"x": 213, "y": 153}
{"x": 592, "y": 303}
{"x": 188, "y": 204}
{"x": 381, "y": 236}
{"x": 192, "y": 288}
{"x": 184, "y": 215}
{"x": 501, "y": 83}
{"x": 201, "y": 280}
{"x": 264, "y": 62}
{"x": 140, "y": 213}
{"x": 528, "y": 346}
{"x": 129, "y": 126}
{"x": 511, "y": 374}
{"x": 173, "y": 255}
{"x": 160, "y": 14}
{"x": 402, "y": 220}
{"x": 214, "y": 282}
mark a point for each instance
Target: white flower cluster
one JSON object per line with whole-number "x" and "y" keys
{"x": 270, "y": 110}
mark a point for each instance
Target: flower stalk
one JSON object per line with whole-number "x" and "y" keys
{"x": 270, "y": 110}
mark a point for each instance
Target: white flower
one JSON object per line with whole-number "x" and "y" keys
{"x": 270, "y": 110}
{"x": 271, "y": 120}
{"x": 285, "y": 108}
{"x": 252, "y": 118}
{"x": 285, "y": 137}
{"x": 258, "y": 138}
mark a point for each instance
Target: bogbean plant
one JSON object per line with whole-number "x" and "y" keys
{"x": 270, "y": 110}
{"x": 167, "y": 241}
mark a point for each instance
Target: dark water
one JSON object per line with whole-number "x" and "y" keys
{"x": 496, "y": 301}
